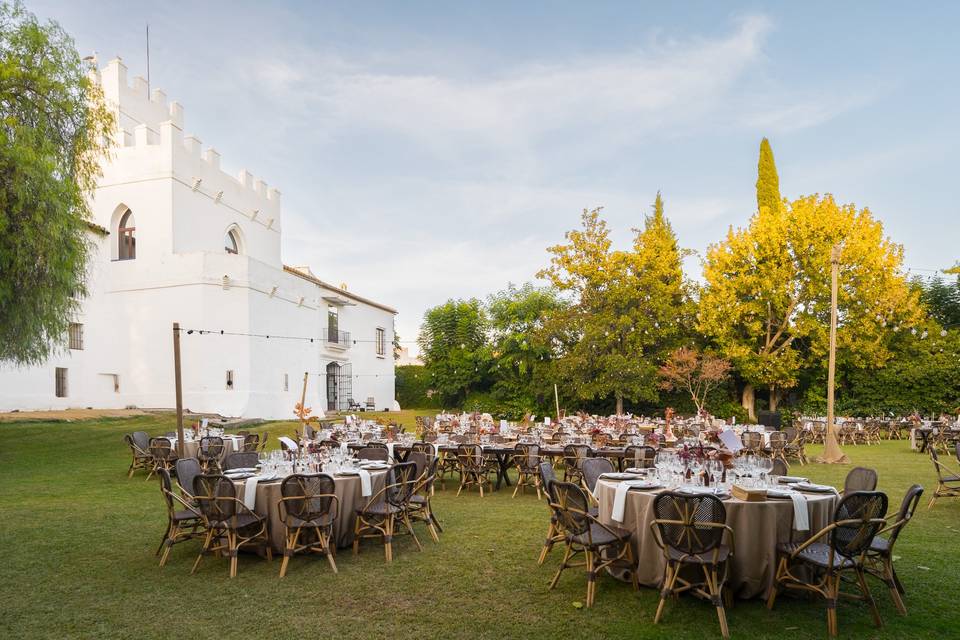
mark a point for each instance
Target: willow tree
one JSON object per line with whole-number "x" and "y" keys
{"x": 625, "y": 313}
{"x": 53, "y": 124}
{"x": 766, "y": 299}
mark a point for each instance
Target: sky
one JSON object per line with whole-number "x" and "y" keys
{"x": 431, "y": 150}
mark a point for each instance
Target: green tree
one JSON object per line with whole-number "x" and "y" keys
{"x": 521, "y": 351}
{"x": 53, "y": 127}
{"x": 942, "y": 300}
{"x": 626, "y": 309}
{"x": 455, "y": 349}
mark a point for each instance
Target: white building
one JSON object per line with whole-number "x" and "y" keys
{"x": 179, "y": 240}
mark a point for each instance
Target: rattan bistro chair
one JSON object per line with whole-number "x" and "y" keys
{"x": 796, "y": 445}
{"x": 879, "y": 559}
{"x": 554, "y": 533}
{"x": 752, "y": 442}
{"x": 230, "y": 524}
{"x": 139, "y": 444}
{"x": 251, "y": 442}
{"x": 592, "y": 469}
{"x": 388, "y": 507}
{"x": 162, "y": 454}
{"x": 308, "y": 509}
{"x": 858, "y": 518}
{"x": 603, "y": 546}
{"x": 475, "y": 467}
{"x": 573, "y": 456}
{"x": 241, "y": 460}
{"x": 777, "y": 449}
{"x": 692, "y": 532}
{"x": 860, "y": 479}
{"x": 210, "y": 452}
{"x": 780, "y": 468}
{"x": 379, "y": 454}
{"x": 419, "y": 508}
{"x": 187, "y": 469}
{"x": 948, "y": 479}
{"x": 639, "y": 456}
{"x": 184, "y": 522}
{"x": 526, "y": 458}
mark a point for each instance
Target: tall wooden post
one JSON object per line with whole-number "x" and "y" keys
{"x": 831, "y": 450}
{"x": 179, "y": 387}
{"x": 556, "y": 399}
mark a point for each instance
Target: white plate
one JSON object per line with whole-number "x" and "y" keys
{"x": 616, "y": 475}
{"x": 645, "y": 484}
{"x": 808, "y": 486}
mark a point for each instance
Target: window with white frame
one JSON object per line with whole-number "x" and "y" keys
{"x": 286, "y": 382}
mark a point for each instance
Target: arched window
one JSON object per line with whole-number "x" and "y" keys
{"x": 231, "y": 242}
{"x": 126, "y": 236}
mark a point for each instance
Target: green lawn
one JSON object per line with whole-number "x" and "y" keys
{"x": 78, "y": 539}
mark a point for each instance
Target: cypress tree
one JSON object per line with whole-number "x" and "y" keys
{"x": 768, "y": 182}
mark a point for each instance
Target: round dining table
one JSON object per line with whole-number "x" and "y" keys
{"x": 349, "y": 494}
{"x": 757, "y": 529}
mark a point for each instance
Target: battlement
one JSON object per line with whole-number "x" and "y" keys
{"x": 146, "y": 119}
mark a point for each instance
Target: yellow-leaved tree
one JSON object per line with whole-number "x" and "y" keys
{"x": 766, "y": 298}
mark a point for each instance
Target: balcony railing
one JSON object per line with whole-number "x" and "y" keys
{"x": 338, "y": 339}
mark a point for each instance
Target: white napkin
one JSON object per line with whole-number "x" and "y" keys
{"x": 250, "y": 492}
{"x": 801, "y": 518}
{"x": 390, "y": 451}
{"x": 620, "y": 497}
{"x": 366, "y": 488}
{"x": 731, "y": 440}
{"x": 291, "y": 445}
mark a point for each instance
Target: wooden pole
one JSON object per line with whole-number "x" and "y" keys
{"x": 556, "y": 399}
{"x": 178, "y": 382}
{"x": 831, "y": 450}
{"x": 303, "y": 392}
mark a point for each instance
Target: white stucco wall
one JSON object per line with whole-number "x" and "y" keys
{"x": 183, "y": 204}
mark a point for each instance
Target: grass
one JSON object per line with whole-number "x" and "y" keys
{"x": 78, "y": 539}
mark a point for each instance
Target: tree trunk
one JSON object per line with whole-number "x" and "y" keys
{"x": 619, "y": 405}
{"x": 774, "y": 397}
{"x": 747, "y": 400}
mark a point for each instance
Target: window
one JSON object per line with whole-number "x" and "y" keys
{"x": 60, "y": 382}
{"x": 286, "y": 382}
{"x": 126, "y": 236}
{"x": 76, "y": 336}
{"x": 230, "y": 380}
{"x": 231, "y": 242}
{"x": 333, "y": 324}
{"x": 380, "y": 342}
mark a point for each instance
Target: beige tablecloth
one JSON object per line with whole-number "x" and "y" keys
{"x": 347, "y": 491}
{"x": 190, "y": 447}
{"x": 757, "y": 528}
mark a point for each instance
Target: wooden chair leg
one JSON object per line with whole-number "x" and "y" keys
{"x": 388, "y": 538}
{"x": 203, "y": 549}
{"x": 666, "y": 589}
{"x": 563, "y": 565}
{"x": 865, "y": 590}
{"x": 833, "y": 592}
{"x": 289, "y": 550}
{"x": 547, "y": 544}
{"x": 591, "y": 577}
